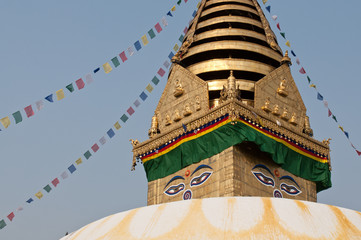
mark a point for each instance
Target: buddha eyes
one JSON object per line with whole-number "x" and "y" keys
{"x": 264, "y": 179}
{"x": 174, "y": 190}
{"x": 200, "y": 179}
{"x": 290, "y": 189}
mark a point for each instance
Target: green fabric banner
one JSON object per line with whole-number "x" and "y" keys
{"x": 47, "y": 188}
{"x": 70, "y": 87}
{"x": 17, "y": 116}
{"x": 216, "y": 141}
{"x": 151, "y": 34}
{"x": 115, "y": 61}
{"x": 2, "y": 224}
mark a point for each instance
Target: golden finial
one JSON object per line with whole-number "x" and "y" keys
{"x": 286, "y": 59}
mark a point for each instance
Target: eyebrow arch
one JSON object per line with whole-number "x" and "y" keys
{"x": 173, "y": 179}
{"x": 200, "y": 167}
{"x": 264, "y": 167}
{"x": 289, "y": 178}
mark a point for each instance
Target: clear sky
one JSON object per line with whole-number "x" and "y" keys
{"x": 45, "y": 45}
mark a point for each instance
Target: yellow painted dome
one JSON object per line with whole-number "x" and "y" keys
{"x": 227, "y": 218}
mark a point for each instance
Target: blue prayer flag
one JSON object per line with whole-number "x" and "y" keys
{"x": 293, "y": 53}
{"x": 171, "y": 54}
{"x": 50, "y": 98}
{"x": 72, "y": 168}
{"x": 169, "y": 14}
{"x": 96, "y": 70}
{"x": 194, "y": 13}
{"x": 268, "y": 8}
{"x": 137, "y": 45}
{"x": 346, "y": 133}
{"x": 143, "y": 96}
{"x": 111, "y": 133}
{"x": 319, "y": 96}
{"x": 29, "y": 200}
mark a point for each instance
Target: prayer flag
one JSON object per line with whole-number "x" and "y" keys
{"x": 170, "y": 14}
{"x": 308, "y": 79}
{"x": 29, "y": 111}
{"x": 184, "y": 127}
{"x": 124, "y": 118}
{"x": 199, "y": 4}
{"x": 334, "y": 118}
{"x": 130, "y": 51}
{"x": 5, "y": 121}
{"x": 60, "y": 94}
{"x": 155, "y": 80}
{"x": 293, "y": 53}
{"x": 29, "y": 200}
{"x": 319, "y": 96}
{"x": 181, "y": 38}
{"x": 170, "y": 55}
{"x": 2, "y": 224}
{"x": 278, "y": 26}
{"x": 173, "y": 8}
{"x": 96, "y": 70}
{"x": 95, "y": 147}
{"x": 17, "y": 116}
{"x": 283, "y": 34}
{"x": 144, "y": 40}
{"x": 298, "y": 61}
{"x": 194, "y": 13}
{"x": 87, "y": 154}
{"x": 158, "y": 27}
{"x": 70, "y": 87}
{"x": 64, "y": 175}
{"x": 166, "y": 64}
{"x": 11, "y": 216}
{"x": 313, "y": 85}
{"x": 161, "y": 72}
{"x": 341, "y": 128}
{"x": 47, "y": 188}
{"x": 111, "y": 133}
{"x": 151, "y": 33}
{"x": 264, "y": 1}
{"x": 302, "y": 71}
{"x": 288, "y": 43}
{"x": 89, "y": 78}
{"x": 185, "y": 30}
{"x": 358, "y": 152}
{"x": 185, "y": 1}
{"x": 130, "y": 111}
{"x": 329, "y": 113}
{"x": 115, "y": 61}
{"x": 55, "y": 182}
{"x": 274, "y": 17}
{"x": 136, "y": 103}
{"x": 79, "y": 161}
{"x": 179, "y": 2}
{"x": 346, "y": 133}
{"x": 72, "y": 168}
{"x": 164, "y": 22}
{"x": 39, "y": 105}
{"x": 268, "y": 9}
{"x": 39, "y": 195}
{"x": 80, "y": 83}
{"x": 137, "y": 45}
{"x": 149, "y": 88}
{"x": 143, "y": 96}
{"x": 20, "y": 209}
{"x": 107, "y": 68}
{"x": 117, "y": 125}
{"x": 176, "y": 47}
{"x": 102, "y": 140}
{"x": 123, "y": 56}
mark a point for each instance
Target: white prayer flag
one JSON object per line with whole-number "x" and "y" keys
{"x": 89, "y": 78}
{"x": 39, "y": 105}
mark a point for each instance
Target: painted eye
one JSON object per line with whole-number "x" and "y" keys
{"x": 174, "y": 190}
{"x": 200, "y": 179}
{"x": 289, "y": 189}
{"x": 264, "y": 179}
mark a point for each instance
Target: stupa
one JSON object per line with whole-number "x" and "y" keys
{"x": 231, "y": 136}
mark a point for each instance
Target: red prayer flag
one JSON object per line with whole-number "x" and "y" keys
{"x": 80, "y": 83}
{"x": 29, "y": 111}
{"x": 161, "y": 72}
{"x": 130, "y": 111}
{"x": 185, "y": 30}
{"x": 55, "y": 182}
{"x": 358, "y": 152}
{"x": 95, "y": 147}
{"x": 278, "y": 26}
{"x": 158, "y": 27}
{"x": 185, "y": 1}
{"x": 302, "y": 71}
{"x": 329, "y": 113}
{"x": 123, "y": 56}
{"x": 11, "y": 216}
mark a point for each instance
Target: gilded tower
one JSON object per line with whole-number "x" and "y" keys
{"x": 231, "y": 121}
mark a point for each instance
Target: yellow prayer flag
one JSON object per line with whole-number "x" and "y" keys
{"x": 288, "y": 43}
{"x": 173, "y": 8}
{"x": 176, "y": 47}
{"x": 145, "y": 40}
{"x": 264, "y": 1}
{"x": 60, "y": 94}
{"x": 5, "y": 121}
{"x": 313, "y": 85}
{"x": 117, "y": 125}
{"x": 107, "y": 68}
{"x": 149, "y": 88}
{"x": 39, "y": 195}
{"x": 341, "y": 128}
{"x": 199, "y": 4}
{"x": 79, "y": 161}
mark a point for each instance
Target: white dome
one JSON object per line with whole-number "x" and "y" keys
{"x": 227, "y": 218}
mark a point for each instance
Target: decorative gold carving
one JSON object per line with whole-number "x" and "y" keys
{"x": 168, "y": 121}
{"x": 177, "y": 116}
{"x": 198, "y": 103}
{"x": 276, "y": 110}
{"x": 187, "y": 110}
{"x": 293, "y": 119}
{"x": 286, "y": 59}
{"x": 134, "y": 142}
{"x": 307, "y": 128}
{"x": 154, "y": 130}
{"x": 266, "y": 106}
{"x": 284, "y": 115}
{"x": 178, "y": 91}
{"x": 282, "y": 88}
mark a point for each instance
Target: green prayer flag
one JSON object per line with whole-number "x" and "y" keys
{"x": 283, "y": 35}
{"x": 115, "y": 61}
{"x": 47, "y": 188}
{"x": 124, "y": 118}
{"x": 155, "y": 80}
{"x": 70, "y": 87}
{"x": 334, "y": 117}
{"x": 87, "y": 154}
{"x": 17, "y": 116}
{"x": 309, "y": 79}
{"x": 151, "y": 33}
{"x": 179, "y": 2}
{"x": 2, "y": 224}
{"x": 181, "y": 38}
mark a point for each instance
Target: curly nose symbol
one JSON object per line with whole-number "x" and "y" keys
{"x": 187, "y": 195}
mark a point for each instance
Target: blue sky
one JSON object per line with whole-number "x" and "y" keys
{"x": 46, "y": 45}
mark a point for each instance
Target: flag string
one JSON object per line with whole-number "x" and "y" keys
{"x": 311, "y": 83}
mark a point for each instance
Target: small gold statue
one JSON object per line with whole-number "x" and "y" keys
{"x": 327, "y": 142}
{"x": 198, "y": 103}
{"x": 178, "y": 91}
{"x": 276, "y": 110}
{"x": 168, "y": 121}
{"x": 284, "y": 115}
{"x": 187, "y": 110}
{"x": 154, "y": 127}
{"x": 282, "y": 88}
{"x": 307, "y": 127}
{"x": 177, "y": 116}
{"x": 286, "y": 59}
{"x": 134, "y": 142}
{"x": 293, "y": 119}
{"x": 266, "y": 106}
